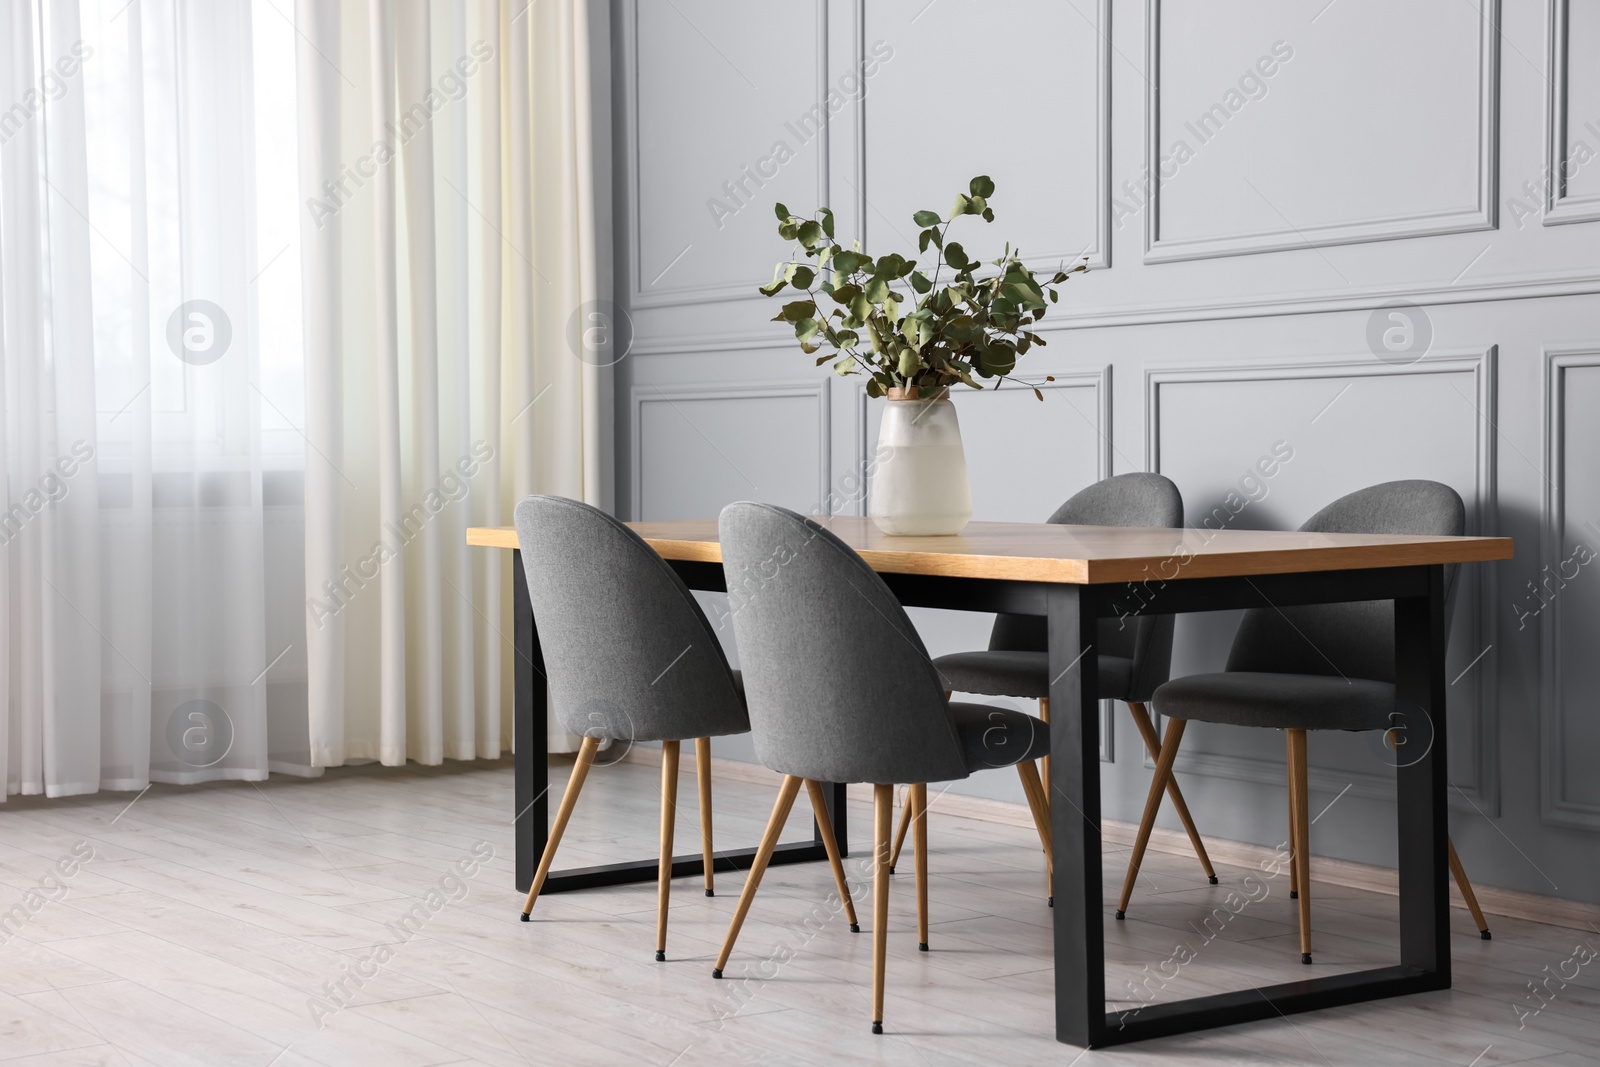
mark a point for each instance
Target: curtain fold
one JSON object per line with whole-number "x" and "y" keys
{"x": 457, "y": 178}
{"x": 150, "y": 356}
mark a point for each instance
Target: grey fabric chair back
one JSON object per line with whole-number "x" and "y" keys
{"x": 1353, "y": 640}
{"x": 1137, "y": 499}
{"x": 839, "y": 685}
{"x": 629, "y": 653}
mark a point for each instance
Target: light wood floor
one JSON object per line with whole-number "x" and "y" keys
{"x": 243, "y": 924}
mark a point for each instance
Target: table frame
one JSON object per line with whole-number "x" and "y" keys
{"x": 1073, "y": 613}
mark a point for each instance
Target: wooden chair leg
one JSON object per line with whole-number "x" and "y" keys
{"x": 907, "y": 813}
{"x": 1466, "y": 890}
{"x": 882, "y": 805}
{"x": 702, "y": 767}
{"x": 769, "y": 841}
{"x": 819, "y": 808}
{"x": 669, "y": 818}
{"x": 1294, "y": 871}
{"x": 1034, "y": 790}
{"x": 919, "y": 844}
{"x": 580, "y": 771}
{"x": 1152, "y": 744}
{"x": 1152, "y": 804}
{"x": 1302, "y": 835}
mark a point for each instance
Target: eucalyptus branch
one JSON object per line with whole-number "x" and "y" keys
{"x": 940, "y": 335}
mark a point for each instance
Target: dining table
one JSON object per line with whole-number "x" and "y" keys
{"x": 1074, "y": 577}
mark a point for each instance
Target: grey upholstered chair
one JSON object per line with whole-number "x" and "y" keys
{"x": 1135, "y": 654}
{"x": 841, "y": 689}
{"x": 1312, "y": 667}
{"x": 630, "y": 657}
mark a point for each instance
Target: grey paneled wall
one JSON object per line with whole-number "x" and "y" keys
{"x": 1252, "y": 182}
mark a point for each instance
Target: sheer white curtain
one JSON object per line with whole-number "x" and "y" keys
{"x": 450, "y": 238}
{"x": 258, "y": 375}
{"x": 151, "y": 355}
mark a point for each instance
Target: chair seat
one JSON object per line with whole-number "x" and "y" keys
{"x": 999, "y": 673}
{"x": 993, "y": 736}
{"x": 1280, "y": 701}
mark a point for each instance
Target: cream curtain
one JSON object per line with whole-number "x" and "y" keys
{"x": 447, "y": 168}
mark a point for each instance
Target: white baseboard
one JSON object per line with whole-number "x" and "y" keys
{"x": 1514, "y": 903}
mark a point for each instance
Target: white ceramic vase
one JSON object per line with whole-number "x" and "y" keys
{"x": 919, "y": 480}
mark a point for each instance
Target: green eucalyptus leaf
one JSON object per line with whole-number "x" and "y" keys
{"x": 926, "y": 218}
{"x": 874, "y": 390}
{"x": 788, "y": 230}
{"x": 809, "y": 233}
{"x": 982, "y": 185}
{"x": 908, "y": 362}
{"x": 955, "y": 255}
{"x": 802, "y": 277}
{"x": 920, "y": 282}
{"x": 796, "y": 310}
{"x": 861, "y": 308}
{"x": 806, "y": 329}
{"x": 877, "y": 290}
{"x": 827, "y": 222}
{"x": 988, "y": 216}
{"x": 781, "y": 211}
{"x": 846, "y": 261}
{"x": 999, "y": 359}
{"x": 960, "y": 206}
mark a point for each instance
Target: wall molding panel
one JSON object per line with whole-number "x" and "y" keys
{"x": 1556, "y": 807}
{"x": 1480, "y": 216}
{"x": 644, "y": 294}
{"x": 1560, "y": 206}
{"x": 671, "y": 395}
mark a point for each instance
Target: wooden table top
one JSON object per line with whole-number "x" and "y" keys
{"x": 1083, "y": 555}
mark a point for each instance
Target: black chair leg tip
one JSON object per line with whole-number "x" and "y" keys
{"x": 855, "y": 928}
{"x": 877, "y": 1028}
{"x": 711, "y": 892}
{"x": 1305, "y": 957}
{"x": 922, "y": 946}
{"x": 1050, "y": 902}
{"x": 716, "y": 972}
{"x": 891, "y": 871}
{"x": 1120, "y": 916}
{"x": 1485, "y": 935}
{"x": 1213, "y": 879}
{"x": 527, "y": 918}
{"x": 1293, "y": 895}
{"x": 661, "y": 957}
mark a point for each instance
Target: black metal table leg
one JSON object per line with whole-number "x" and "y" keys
{"x": 530, "y": 710}
{"x": 1422, "y": 781}
{"x": 528, "y": 733}
{"x": 1075, "y": 815}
